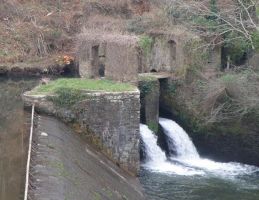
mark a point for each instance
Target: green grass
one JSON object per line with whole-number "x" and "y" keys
{"x": 83, "y": 84}
{"x": 144, "y": 77}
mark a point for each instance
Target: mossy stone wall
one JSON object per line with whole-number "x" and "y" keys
{"x": 149, "y": 98}
{"x": 109, "y": 119}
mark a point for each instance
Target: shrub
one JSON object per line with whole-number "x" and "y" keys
{"x": 139, "y": 25}
{"x": 66, "y": 97}
{"x": 145, "y": 44}
{"x": 231, "y": 96}
{"x": 146, "y": 85}
{"x": 197, "y": 53}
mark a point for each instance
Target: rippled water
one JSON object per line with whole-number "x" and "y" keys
{"x": 159, "y": 186}
{"x": 13, "y": 135}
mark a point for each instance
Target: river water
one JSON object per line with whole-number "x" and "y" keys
{"x": 13, "y": 138}
{"x": 186, "y": 175}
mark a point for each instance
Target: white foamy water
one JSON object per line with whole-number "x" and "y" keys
{"x": 186, "y": 153}
{"x": 156, "y": 158}
{"x": 178, "y": 140}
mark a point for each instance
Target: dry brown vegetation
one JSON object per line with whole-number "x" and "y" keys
{"x": 31, "y": 30}
{"x": 231, "y": 97}
{"x": 36, "y": 30}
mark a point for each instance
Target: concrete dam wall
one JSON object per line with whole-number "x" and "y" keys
{"x": 64, "y": 166}
{"x": 109, "y": 120}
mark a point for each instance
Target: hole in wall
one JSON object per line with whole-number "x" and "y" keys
{"x": 95, "y": 60}
{"x": 172, "y": 47}
{"x": 101, "y": 70}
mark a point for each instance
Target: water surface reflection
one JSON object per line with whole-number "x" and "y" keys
{"x": 13, "y": 137}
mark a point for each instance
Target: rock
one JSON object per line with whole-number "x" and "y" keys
{"x": 44, "y": 80}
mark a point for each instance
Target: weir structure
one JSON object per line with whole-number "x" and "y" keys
{"x": 61, "y": 165}
{"x": 110, "y": 120}
{"x": 149, "y": 85}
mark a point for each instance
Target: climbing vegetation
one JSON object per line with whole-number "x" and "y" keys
{"x": 145, "y": 43}
{"x": 146, "y": 85}
{"x": 66, "y": 97}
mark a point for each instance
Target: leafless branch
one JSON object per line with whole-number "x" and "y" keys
{"x": 235, "y": 16}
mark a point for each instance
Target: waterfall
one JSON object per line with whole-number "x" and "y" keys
{"x": 178, "y": 140}
{"x": 186, "y": 153}
{"x": 156, "y": 159}
{"x": 153, "y": 152}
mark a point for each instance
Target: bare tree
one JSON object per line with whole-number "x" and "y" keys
{"x": 230, "y": 97}
{"x": 215, "y": 19}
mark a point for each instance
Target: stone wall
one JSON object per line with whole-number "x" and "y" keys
{"x": 116, "y": 55}
{"x": 122, "y": 57}
{"x": 109, "y": 120}
{"x": 149, "y": 97}
{"x": 122, "y": 62}
{"x": 166, "y": 53}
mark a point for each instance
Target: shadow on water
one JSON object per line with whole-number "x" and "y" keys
{"x": 13, "y": 137}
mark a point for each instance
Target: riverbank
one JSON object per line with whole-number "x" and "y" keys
{"x": 62, "y": 67}
{"x": 227, "y": 140}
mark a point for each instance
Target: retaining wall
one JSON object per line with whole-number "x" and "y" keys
{"x": 110, "y": 120}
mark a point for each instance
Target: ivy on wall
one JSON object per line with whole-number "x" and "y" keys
{"x": 65, "y": 97}
{"x": 145, "y": 43}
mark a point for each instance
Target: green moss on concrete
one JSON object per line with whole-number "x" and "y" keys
{"x": 145, "y": 43}
{"x": 153, "y": 126}
{"x": 146, "y": 84}
{"x": 66, "y": 97}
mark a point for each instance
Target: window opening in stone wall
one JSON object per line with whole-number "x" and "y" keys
{"x": 172, "y": 47}
{"x": 101, "y": 70}
{"x": 95, "y": 60}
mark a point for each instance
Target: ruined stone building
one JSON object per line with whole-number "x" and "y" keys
{"x": 121, "y": 57}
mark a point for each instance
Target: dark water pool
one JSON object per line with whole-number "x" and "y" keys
{"x": 13, "y": 137}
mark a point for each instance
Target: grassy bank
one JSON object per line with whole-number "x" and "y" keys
{"x": 83, "y": 84}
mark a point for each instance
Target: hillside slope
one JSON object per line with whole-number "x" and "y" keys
{"x": 37, "y": 31}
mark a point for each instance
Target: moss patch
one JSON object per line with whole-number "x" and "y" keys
{"x": 83, "y": 84}
{"x": 145, "y": 44}
{"x": 153, "y": 126}
{"x": 67, "y": 97}
{"x": 146, "y": 85}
